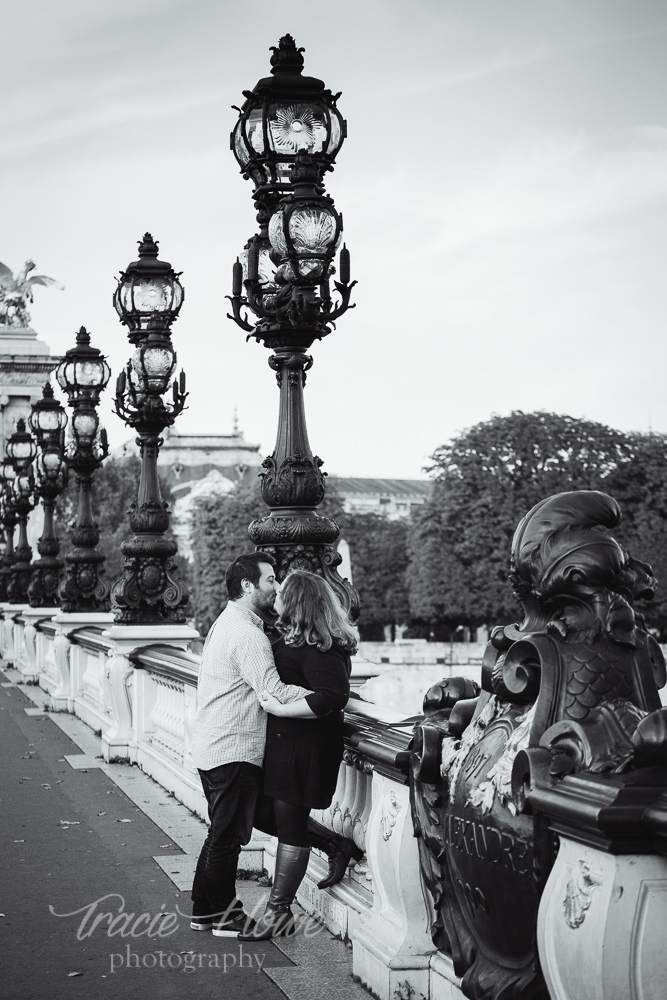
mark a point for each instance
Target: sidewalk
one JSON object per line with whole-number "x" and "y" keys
{"x": 98, "y": 863}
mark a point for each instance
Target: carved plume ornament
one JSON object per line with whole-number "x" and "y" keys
{"x": 571, "y": 691}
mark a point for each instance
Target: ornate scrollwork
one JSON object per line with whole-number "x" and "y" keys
{"x": 574, "y": 688}
{"x": 294, "y": 482}
{"x": 149, "y": 585}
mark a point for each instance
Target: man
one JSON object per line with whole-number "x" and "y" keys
{"x": 229, "y": 736}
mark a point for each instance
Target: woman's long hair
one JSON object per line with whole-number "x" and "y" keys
{"x": 312, "y": 614}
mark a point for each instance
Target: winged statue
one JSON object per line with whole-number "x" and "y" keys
{"x": 17, "y": 290}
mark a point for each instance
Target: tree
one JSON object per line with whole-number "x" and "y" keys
{"x": 485, "y": 481}
{"x": 640, "y": 486}
{"x": 378, "y": 556}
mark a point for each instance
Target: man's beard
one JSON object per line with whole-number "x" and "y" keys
{"x": 262, "y": 604}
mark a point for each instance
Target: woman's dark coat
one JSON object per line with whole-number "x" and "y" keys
{"x": 302, "y": 756}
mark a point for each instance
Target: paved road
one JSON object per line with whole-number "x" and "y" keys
{"x": 70, "y": 855}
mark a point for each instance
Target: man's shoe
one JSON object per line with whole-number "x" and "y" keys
{"x": 204, "y": 923}
{"x": 233, "y": 924}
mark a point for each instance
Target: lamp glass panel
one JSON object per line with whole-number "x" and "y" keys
{"x": 254, "y": 130}
{"x": 125, "y": 297}
{"x": 21, "y": 449}
{"x": 159, "y": 362}
{"x": 89, "y": 373}
{"x": 284, "y": 171}
{"x": 22, "y": 486}
{"x": 277, "y": 233}
{"x": 313, "y": 229}
{"x": 85, "y": 424}
{"x": 152, "y": 295}
{"x": 336, "y": 138}
{"x": 265, "y": 266}
{"x": 240, "y": 147}
{"x": 7, "y": 471}
{"x": 296, "y": 128}
{"x": 51, "y": 461}
{"x": 48, "y": 420}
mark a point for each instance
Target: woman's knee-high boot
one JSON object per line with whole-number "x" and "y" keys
{"x": 277, "y": 919}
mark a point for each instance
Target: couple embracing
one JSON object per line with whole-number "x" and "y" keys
{"x": 268, "y": 739}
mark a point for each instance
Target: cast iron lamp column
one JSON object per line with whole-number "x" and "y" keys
{"x": 47, "y": 422}
{"x": 21, "y": 451}
{"x": 82, "y": 375}
{"x": 288, "y": 134}
{"x": 148, "y": 299}
{"x": 8, "y": 520}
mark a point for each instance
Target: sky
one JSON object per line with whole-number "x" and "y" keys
{"x": 503, "y": 188}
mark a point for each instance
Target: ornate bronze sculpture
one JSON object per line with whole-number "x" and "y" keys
{"x": 16, "y": 291}
{"x": 572, "y": 691}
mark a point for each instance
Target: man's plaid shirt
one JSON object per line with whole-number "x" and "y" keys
{"x": 237, "y": 664}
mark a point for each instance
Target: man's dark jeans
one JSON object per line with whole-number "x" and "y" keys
{"x": 232, "y": 791}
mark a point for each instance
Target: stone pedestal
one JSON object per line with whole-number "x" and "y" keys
{"x": 67, "y": 669}
{"x": 393, "y": 947}
{"x": 119, "y": 740}
{"x": 27, "y": 660}
{"x": 601, "y": 925}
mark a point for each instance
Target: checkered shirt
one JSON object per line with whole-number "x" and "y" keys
{"x": 237, "y": 664}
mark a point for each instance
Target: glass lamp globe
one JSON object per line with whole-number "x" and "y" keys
{"x": 84, "y": 372}
{"x": 20, "y": 447}
{"x": 48, "y": 418}
{"x": 286, "y": 114}
{"x": 305, "y": 238}
{"x": 152, "y": 367}
{"x": 149, "y": 295}
{"x": 84, "y": 427}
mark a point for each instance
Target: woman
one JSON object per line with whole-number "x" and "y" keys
{"x": 304, "y": 739}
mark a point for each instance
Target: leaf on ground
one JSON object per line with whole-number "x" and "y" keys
{"x": 124, "y": 821}
{"x": 19, "y": 841}
{"x": 70, "y": 822}
{"x": 74, "y": 974}
{"x": 101, "y": 814}
{"x": 165, "y": 845}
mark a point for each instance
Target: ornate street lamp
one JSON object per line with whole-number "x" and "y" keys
{"x": 82, "y": 375}
{"x": 148, "y": 299}
{"x": 47, "y": 422}
{"x": 286, "y": 277}
{"x": 21, "y": 451}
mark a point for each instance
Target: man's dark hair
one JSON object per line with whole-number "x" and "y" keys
{"x": 246, "y": 568}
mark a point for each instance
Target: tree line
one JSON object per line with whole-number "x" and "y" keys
{"x": 448, "y": 566}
